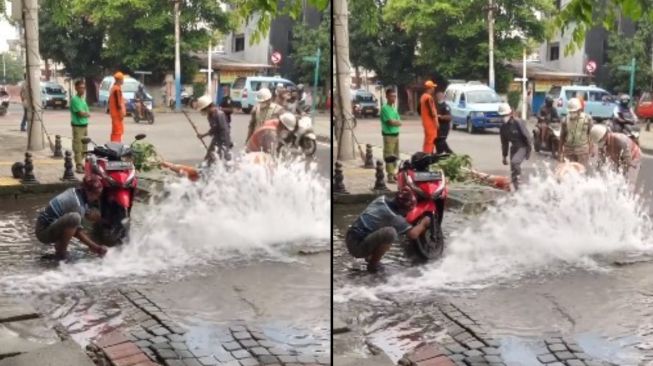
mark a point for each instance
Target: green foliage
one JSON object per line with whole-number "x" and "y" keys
{"x": 454, "y": 167}
{"x": 453, "y": 38}
{"x": 145, "y": 156}
{"x": 267, "y": 10}
{"x": 514, "y": 99}
{"x": 620, "y": 52}
{"x": 14, "y": 68}
{"x": 305, "y": 43}
{"x": 199, "y": 89}
{"x": 579, "y": 16}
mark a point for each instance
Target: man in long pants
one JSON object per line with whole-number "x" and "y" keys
{"x": 117, "y": 108}
{"x": 429, "y": 117}
{"x": 514, "y": 134}
{"x": 390, "y": 124}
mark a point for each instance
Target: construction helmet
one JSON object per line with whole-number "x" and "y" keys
{"x": 288, "y": 120}
{"x": 203, "y": 102}
{"x": 597, "y": 133}
{"x": 573, "y": 105}
{"x": 504, "y": 109}
{"x": 263, "y": 95}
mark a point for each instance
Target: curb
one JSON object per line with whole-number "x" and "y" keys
{"x": 23, "y": 189}
{"x": 646, "y": 150}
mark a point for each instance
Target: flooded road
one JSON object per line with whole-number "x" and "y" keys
{"x": 524, "y": 273}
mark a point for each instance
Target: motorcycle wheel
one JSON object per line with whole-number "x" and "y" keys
{"x": 536, "y": 142}
{"x": 135, "y": 116}
{"x": 116, "y": 233}
{"x": 430, "y": 245}
{"x": 553, "y": 142}
{"x": 3, "y": 112}
{"x": 309, "y": 146}
{"x": 150, "y": 117}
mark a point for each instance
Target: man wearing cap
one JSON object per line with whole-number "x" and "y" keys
{"x": 268, "y": 137}
{"x": 514, "y": 135}
{"x": 380, "y": 225}
{"x": 220, "y": 129}
{"x": 61, "y": 220}
{"x": 265, "y": 110}
{"x": 429, "y": 117}
{"x": 117, "y": 108}
{"x": 575, "y": 134}
{"x": 622, "y": 152}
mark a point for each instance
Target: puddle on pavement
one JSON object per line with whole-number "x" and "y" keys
{"x": 210, "y": 237}
{"x": 603, "y": 306}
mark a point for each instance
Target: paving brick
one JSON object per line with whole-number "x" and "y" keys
{"x": 573, "y": 347}
{"x": 177, "y": 330}
{"x": 121, "y": 351}
{"x": 181, "y": 346}
{"x": 268, "y": 359}
{"x": 241, "y": 354}
{"x": 175, "y": 337}
{"x": 131, "y": 360}
{"x": 457, "y": 357}
{"x": 475, "y": 359}
{"x": 473, "y": 353}
{"x": 556, "y": 364}
{"x": 575, "y": 363}
{"x": 546, "y": 358}
{"x": 248, "y": 343}
{"x": 231, "y": 346}
{"x": 474, "y": 344}
{"x": 490, "y": 351}
{"x": 552, "y": 340}
{"x": 224, "y": 357}
{"x": 563, "y": 356}
{"x": 146, "y": 363}
{"x": 238, "y": 328}
{"x": 174, "y": 363}
{"x": 492, "y": 358}
{"x": 231, "y": 363}
{"x": 143, "y": 344}
{"x": 184, "y": 354}
{"x": 267, "y": 344}
{"x": 288, "y": 359}
{"x": 159, "y": 339}
{"x": 279, "y": 351}
{"x": 242, "y": 335}
{"x": 159, "y": 331}
{"x": 191, "y": 362}
{"x": 259, "y": 351}
{"x": 581, "y": 355}
{"x": 426, "y": 352}
{"x": 167, "y": 354}
{"x": 208, "y": 361}
{"x": 150, "y": 324}
{"x": 249, "y": 362}
{"x": 437, "y": 361}
{"x": 162, "y": 346}
{"x": 455, "y": 348}
{"x": 557, "y": 347}
{"x": 111, "y": 339}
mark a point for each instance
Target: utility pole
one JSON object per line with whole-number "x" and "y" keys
{"x": 4, "y": 69}
{"x": 344, "y": 127}
{"x": 31, "y": 24}
{"x": 208, "y": 84}
{"x": 524, "y": 113}
{"x": 490, "y": 25}
{"x": 177, "y": 61}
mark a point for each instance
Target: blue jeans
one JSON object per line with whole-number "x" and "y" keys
{"x": 23, "y": 124}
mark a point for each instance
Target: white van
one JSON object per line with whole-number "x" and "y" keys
{"x": 129, "y": 89}
{"x": 243, "y": 90}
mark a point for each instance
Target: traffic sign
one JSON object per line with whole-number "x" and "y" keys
{"x": 276, "y": 57}
{"x": 590, "y": 67}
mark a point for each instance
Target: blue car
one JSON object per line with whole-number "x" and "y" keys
{"x": 473, "y": 106}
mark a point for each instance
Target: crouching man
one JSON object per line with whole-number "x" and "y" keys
{"x": 380, "y": 225}
{"x": 61, "y": 220}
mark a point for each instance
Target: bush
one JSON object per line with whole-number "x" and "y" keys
{"x": 513, "y": 99}
{"x": 198, "y": 89}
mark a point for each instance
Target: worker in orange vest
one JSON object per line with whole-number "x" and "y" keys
{"x": 117, "y": 108}
{"x": 429, "y": 117}
{"x": 271, "y": 134}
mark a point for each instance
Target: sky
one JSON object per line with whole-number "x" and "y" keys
{"x": 6, "y": 30}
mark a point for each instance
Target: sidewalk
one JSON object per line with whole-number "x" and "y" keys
{"x": 646, "y": 140}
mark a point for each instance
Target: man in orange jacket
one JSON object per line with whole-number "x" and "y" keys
{"x": 117, "y": 108}
{"x": 429, "y": 117}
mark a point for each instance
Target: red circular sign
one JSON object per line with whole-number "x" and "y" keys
{"x": 276, "y": 57}
{"x": 590, "y": 67}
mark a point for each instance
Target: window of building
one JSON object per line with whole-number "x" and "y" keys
{"x": 239, "y": 43}
{"x": 554, "y": 51}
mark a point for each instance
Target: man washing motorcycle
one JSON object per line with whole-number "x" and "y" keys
{"x": 61, "y": 220}
{"x": 380, "y": 225}
{"x": 619, "y": 150}
{"x": 272, "y": 134}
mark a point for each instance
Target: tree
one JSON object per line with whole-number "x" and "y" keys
{"x": 14, "y": 68}
{"x": 453, "y": 38}
{"x": 620, "y": 52}
{"x": 266, "y": 10}
{"x": 305, "y": 43}
{"x": 582, "y": 15}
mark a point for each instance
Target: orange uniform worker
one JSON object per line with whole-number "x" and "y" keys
{"x": 429, "y": 117}
{"x": 117, "y": 108}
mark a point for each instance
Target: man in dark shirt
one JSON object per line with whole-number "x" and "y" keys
{"x": 514, "y": 134}
{"x": 220, "y": 130}
{"x": 227, "y": 107}
{"x": 547, "y": 114}
{"x": 444, "y": 118}
{"x": 380, "y": 225}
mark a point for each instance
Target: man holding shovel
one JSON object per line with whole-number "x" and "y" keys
{"x": 220, "y": 130}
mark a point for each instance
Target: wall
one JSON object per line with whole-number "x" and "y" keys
{"x": 257, "y": 53}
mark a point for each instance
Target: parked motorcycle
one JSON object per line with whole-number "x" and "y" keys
{"x": 4, "y": 102}
{"x": 431, "y": 191}
{"x": 630, "y": 129}
{"x": 112, "y": 162}
{"x": 552, "y": 143}
{"x": 146, "y": 111}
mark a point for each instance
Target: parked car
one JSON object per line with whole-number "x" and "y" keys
{"x": 598, "y": 102}
{"x": 53, "y": 95}
{"x": 473, "y": 105}
{"x": 243, "y": 90}
{"x": 364, "y": 104}
{"x": 129, "y": 89}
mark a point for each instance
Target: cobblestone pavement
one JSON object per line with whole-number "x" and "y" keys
{"x": 467, "y": 343}
{"x": 160, "y": 339}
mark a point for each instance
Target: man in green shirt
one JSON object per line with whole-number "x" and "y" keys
{"x": 79, "y": 120}
{"x": 390, "y": 122}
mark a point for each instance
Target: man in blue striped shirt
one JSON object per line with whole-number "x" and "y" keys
{"x": 61, "y": 220}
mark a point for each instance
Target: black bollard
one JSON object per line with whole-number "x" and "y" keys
{"x": 339, "y": 179}
{"x": 369, "y": 157}
{"x": 68, "y": 174}
{"x": 18, "y": 170}
{"x": 28, "y": 177}
{"x": 379, "y": 184}
{"x": 57, "y": 147}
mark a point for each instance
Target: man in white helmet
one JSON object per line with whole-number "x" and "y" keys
{"x": 220, "y": 130}
{"x": 265, "y": 110}
{"x": 514, "y": 134}
{"x": 575, "y": 134}
{"x": 622, "y": 152}
{"x": 272, "y": 133}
